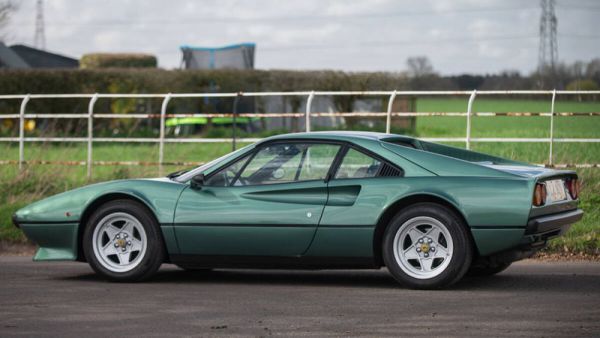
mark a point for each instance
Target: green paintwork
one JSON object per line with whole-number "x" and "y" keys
{"x": 56, "y": 241}
{"x": 342, "y": 241}
{"x": 159, "y": 195}
{"x": 311, "y": 218}
{"x": 272, "y": 219}
{"x": 168, "y": 232}
{"x": 491, "y": 241}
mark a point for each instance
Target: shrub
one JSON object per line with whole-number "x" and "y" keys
{"x": 117, "y": 60}
{"x": 60, "y": 81}
{"x": 583, "y": 85}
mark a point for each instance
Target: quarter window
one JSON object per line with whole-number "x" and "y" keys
{"x": 358, "y": 165}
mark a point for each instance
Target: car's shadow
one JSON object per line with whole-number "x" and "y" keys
{"x": 367, "y": 278}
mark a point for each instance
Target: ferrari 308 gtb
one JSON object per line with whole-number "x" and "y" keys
{"x": 427, "y": 212}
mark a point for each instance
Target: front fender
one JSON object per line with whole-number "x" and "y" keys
{"x": 54, "y": 223}
{"x": 159, "y": 195}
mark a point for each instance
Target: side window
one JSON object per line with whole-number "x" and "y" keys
{"x": 225, "y": 176}
{"x": 291, "y": 162}
{"x": 317, "y": 160}
{"x": 358, "y": 165}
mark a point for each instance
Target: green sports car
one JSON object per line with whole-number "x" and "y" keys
{"x": 429, "y": 213}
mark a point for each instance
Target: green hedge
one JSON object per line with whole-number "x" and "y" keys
{"x": 148, "y": 80}
{"x": 118, "y": 60}
{"x": 187, "y": 81}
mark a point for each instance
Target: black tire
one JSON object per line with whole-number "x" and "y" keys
{"x": 462, "y": 254}
{"x": 487, "y": 269}
{"x": 155, "y": 251}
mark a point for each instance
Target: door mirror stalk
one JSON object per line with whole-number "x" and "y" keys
{"x": 197, "y": 182}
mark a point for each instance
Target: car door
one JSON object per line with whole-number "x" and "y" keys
{"x": 266, "y": 203}
{"x": 359, "y": 187}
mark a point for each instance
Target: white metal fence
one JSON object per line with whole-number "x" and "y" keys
{"x": 310, "y": 95}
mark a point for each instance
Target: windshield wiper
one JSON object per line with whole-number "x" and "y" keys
{"x": 177, "y": 173}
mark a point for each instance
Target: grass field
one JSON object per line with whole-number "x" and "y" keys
{"x": 18, "y": 189}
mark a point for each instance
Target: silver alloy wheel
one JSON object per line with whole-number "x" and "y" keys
{"x": 423, "y": 247}
{"x": 119, "y": 242}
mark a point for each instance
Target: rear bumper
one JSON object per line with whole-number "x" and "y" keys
{"x": 529, "y": 238}
{"x": 543, "y": 228}
{"x": 535, "y": 236}
{"x": 552, "y": 223}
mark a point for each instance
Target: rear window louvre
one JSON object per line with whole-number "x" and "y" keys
{"x": 389, "y": 171}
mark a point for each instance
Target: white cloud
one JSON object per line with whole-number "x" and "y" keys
{"x": 459, "y": 36}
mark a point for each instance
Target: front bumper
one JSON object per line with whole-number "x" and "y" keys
{"x": 56, "y": 241}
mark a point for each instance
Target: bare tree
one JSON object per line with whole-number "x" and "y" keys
{"x": 419, "y": 66}
{"x": 592, "y": 70}
{"x": 6, "y": 9}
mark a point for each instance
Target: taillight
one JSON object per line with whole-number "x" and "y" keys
{"x": 574, "y": 187}
{"x": 539, "y": 195}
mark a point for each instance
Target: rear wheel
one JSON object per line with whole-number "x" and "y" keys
{"x": 122, "y": 242}
{"x": 426, "y": 246}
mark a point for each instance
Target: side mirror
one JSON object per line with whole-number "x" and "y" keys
{"x": 197, "y": 182}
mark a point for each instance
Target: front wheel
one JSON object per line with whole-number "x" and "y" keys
{"x": 122, "y": 242}
{"x": 426, "y": 246}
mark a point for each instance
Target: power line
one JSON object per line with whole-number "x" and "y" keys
{"x": 579, "y": 8}
{"x": 388, "y": 43}
{"x": 375, "y": 44}
{"x": 211, "y": 20}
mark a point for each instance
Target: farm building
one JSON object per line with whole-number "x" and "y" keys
{"x": 22, "y": 56}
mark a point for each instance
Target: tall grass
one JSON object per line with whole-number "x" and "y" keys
{"x": 18, "y": 189}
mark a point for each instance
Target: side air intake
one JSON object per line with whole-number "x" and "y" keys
{"x": 389, "y": 171}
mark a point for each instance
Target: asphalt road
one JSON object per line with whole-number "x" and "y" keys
{"x": 529, "y": 299}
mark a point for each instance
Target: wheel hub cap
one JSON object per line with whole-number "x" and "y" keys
{"x": 119, "y": 242}
{"x": 122, "y": 243}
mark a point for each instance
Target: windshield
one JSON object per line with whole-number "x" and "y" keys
{"x": 187, "y": 175}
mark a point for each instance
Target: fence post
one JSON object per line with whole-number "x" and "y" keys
{"x": 469, "y": 113}
{"x": 235, "y": 111}
{"x": 22, "y": 131}
{"x": 388, "y": 121}
{"x": 90, "y": 134}
{"x": 551, "y": 127}
{"x": 308, "y": 105}
{"x": 161, "y": 145}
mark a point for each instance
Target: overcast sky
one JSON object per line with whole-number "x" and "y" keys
{"x": 463, "y": 36}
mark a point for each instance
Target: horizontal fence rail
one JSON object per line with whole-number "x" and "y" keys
{"x": 307, "y": 115}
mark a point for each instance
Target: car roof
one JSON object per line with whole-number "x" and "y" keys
{"x": 337, "y": 135}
